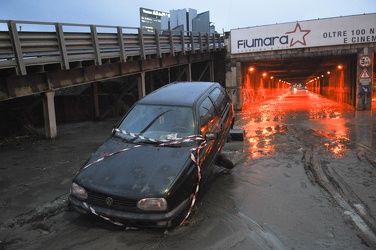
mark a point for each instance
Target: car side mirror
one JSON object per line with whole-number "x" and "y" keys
{"x": 211, "y": 136}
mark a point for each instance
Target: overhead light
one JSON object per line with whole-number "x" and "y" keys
{"x": 251, "y": 69}
{"x": 339, "y": 67}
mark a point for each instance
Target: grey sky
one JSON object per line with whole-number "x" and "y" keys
{"x": 226, "y": 14}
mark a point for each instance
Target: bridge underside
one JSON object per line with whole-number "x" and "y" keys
{"x": 44, "y": 78}
{"x": 88, "y": 92}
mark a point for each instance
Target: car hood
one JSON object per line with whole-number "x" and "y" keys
{"x": 145, "y": 171}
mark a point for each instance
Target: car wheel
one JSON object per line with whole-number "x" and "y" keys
{"x": 224, "y": 162}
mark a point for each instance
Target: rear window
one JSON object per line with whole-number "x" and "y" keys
{"x": 208, "y": 116}
{"x": 218, "y": 98}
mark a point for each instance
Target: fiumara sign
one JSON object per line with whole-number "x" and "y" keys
{"x": 312, "y": 33}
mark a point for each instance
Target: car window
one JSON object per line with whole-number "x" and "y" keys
{"x": 159, "y": 122}
{"x": 218, "y": 98}
{"x": 208, "y": 116}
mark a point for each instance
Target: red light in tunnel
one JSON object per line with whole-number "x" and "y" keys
{"x": 251, "y": 69}
{"x": 339, "y": 67}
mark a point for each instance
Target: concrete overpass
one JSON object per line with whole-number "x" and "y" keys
{"x": 333, "y": 57}
{"x": 46, "y": 58}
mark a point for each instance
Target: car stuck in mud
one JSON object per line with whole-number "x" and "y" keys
{"x": 149, "y": 172}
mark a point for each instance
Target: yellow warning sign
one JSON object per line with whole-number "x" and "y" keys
{"x": 364, "y": 74}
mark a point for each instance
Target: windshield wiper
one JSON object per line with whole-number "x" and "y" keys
{"x": 123, "y": 138}
{"x": 170, "y": 145}
{"x": 152, "y": 122}
{"x": 159, "y": 144}
{"x": 146, "y": 142}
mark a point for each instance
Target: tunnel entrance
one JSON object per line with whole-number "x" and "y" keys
{"x": 331, "y": 76}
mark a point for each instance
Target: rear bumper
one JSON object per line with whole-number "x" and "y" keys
{"x": 134, "y": 219}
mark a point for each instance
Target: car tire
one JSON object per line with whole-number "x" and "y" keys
{"x": 224, "y": 162}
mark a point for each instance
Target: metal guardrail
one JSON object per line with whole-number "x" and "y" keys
{"x": 24, "y": 43}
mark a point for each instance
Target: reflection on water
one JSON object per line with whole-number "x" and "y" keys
{"x": 338, "y": 123}
{"x": 260, "y": 141}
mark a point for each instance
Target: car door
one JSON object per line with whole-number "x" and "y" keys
{"x": 209, "y": 121}
{"x": 225, "y": 110}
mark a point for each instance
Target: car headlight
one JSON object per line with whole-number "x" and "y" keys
{"x": 152, "y": 204}
{"x": 79, "y": 191}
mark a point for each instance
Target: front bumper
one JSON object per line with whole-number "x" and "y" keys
{"x": 131, "y": 218}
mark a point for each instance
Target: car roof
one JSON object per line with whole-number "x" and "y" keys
{"x": 178, "y": 93}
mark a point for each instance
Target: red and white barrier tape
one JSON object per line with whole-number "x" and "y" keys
{"x": 101, "y": 216}
{"x": 108, "y": 156}
{"x": 163, "y": 142}
{"x": 195, "y": 159}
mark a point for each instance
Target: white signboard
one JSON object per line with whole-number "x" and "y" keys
{"x": 321, "y": 32}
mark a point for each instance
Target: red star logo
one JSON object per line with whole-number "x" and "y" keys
{"x": 299, "y": 35}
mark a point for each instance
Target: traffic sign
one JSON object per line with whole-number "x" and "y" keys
{"x": 364, "y": 74}
{"x": 365, "y": 61}
{"x": 365, "y": 77}
{"x": 365, "y": 89}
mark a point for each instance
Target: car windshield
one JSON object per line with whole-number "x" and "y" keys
{"x": 158, "y": 122}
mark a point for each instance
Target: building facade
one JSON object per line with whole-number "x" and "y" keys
{"x": 151, "y": 19}
{"x": 180, "y": 19}
{"x": 201, "y": 23}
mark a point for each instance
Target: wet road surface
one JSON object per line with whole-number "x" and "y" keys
{"x": 304, "y": 178}
{"x": 316, "y": 163}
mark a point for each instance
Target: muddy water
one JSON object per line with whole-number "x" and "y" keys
{"x": 279, "y": 133}
{"x": 274, "y": 198}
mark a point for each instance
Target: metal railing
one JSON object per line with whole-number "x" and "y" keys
{"x": 24, "y": 44}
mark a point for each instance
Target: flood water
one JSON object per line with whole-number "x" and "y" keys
{"x": 338, "y": 122}
{"x": 304, "y": 178}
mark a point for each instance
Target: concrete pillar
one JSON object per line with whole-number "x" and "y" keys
{"x": 49, "y": 115}
{"x": 231, "y": 86}
{"x": 364, "y": 80}
{"x": 239, "y": 97}
{"x": 95, "y": 100}
{"x": 141, "y": 85}
{"x": 189, "y": 72}
{"x": 211, "y": 68}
